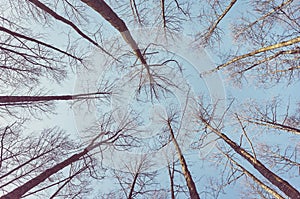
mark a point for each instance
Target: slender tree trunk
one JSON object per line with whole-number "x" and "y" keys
{"x": 12, "y": 100}
{"x": 187, "y": 175}
{"x": 275, "y": 125}
{"x": 135, "y": 11}
{"x": 283, "y": 185}
{"x": 171, "y": 176}
{"x": 2, "y": 29}
{"x": 21, "y": 190}
{"x": 132, "y": 186}
{"x": 162, "y": 3}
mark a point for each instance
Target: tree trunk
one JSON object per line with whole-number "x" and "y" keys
{"x": 215, "y": 24}
{"x": 187, "y": 175}
{"x": 21, "y": 190}
{"x": 171, "y": 176}
{"x": 283, "y": 185}
{"x": 48, "y": 10}
{"x": 132, "y": 186}
{"x": 255, "y": 179}
{"x": 109, "y": 15}
{"x": 12, "y": 100}
{"x": 15, "y": 34}
{"x": 275, "y": 125}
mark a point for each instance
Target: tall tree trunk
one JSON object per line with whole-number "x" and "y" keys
{"x": 187, "y": 175}
{"x": 13, "y": 100}
{"x": 21, "y": 190}
{"x": 162, "y": 4}
{"x": 274, "y": 125}
{"x": 283, "y": 185}
{"x": 215, "y": 24}
{"x": 16, "y": 34}
{"x": 109, "y": 15}
{"x": 132, "y": 186}
{"x": 171, "y": 176}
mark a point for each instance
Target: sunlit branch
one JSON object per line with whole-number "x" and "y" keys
{"x": 283, "y": 52}
{"x": 265, "y": 16}
{"x": 275, "y": 125}
{"x": 255, "y": 52}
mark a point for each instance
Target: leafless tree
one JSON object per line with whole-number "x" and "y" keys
{"x": 272, "y": 53}
{"x": 135, "y": 180}
{"x": 273, "y": 115}
{"x": 205, "y": 118}
{"x": 78, "y": 159}
{"x": 24, "y": 157}
{"x": 185, "y": 170}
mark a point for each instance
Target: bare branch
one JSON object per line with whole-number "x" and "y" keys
{"x": 68, "y": 22}
{"x": 212, "y": 28}
{"x": 255, "y": 179}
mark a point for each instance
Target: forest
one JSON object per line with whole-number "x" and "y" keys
{"x": 145, "y": 99}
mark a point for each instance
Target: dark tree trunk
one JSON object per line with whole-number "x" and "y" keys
{"x": 13, "y": 100}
